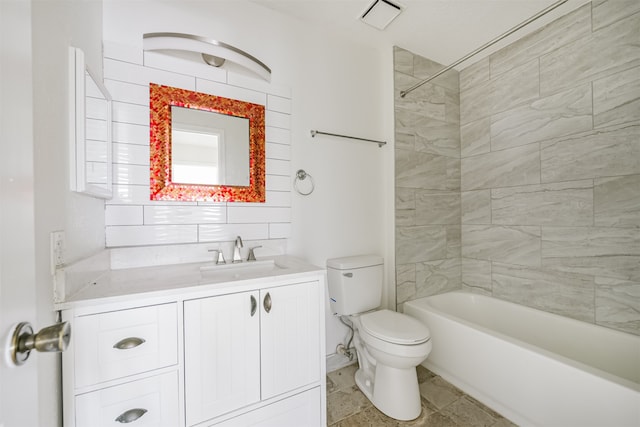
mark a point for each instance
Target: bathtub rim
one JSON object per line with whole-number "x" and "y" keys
{"x": 576, "y": 364}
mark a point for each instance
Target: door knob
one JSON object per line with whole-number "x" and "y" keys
{"x": 53, "y": 338}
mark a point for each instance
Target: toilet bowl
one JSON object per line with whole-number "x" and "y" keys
{"x": 389, "y": 345}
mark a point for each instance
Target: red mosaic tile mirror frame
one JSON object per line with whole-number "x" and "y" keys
{"x": 161, "y": 98}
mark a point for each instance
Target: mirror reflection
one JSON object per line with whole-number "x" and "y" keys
{"x": 209, "y": 148}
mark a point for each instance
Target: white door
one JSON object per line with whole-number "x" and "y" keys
{"x": 290, "y": 349}
{"x": 18, "y": 386}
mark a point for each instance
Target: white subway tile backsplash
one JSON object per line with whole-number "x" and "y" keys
{"x": 130, "y": 113}
{"x": 278, "y": 135}
{"x": 121, "y": 52}
{"x": 127, "y": 92}
{"x": 278, "y": 151}
{"x": 280, "y": 231}
{"x": 184, "y": 66}
{"x": 130, "y": 174}
{"x": 239, "y": 215}
{"x": 232, "y": 92}
{"x": 185, "y": 214}
{"x": 141, "y": 75}
{"x": 229, "y": 232}
{"x": 123, "y": 215}
{"x": 134, "y": 235}
{"x": 279, "y": 120}
{"x": 132, "y": 219}
{"x": 279, "y": 104}
{"x": 278, "y": 183}
{"x": 131, "y": 154}
{"x": 131, "y": 133}
{"x": 278, "y": 167}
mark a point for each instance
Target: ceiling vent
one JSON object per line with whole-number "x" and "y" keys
{"x": 380, "y": 13}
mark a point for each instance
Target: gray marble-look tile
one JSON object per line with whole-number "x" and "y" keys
{"x": 572, "y": 26}
{"x": 616, "y": 98}
{"x": 424, "y": 68}
{"x": 436, "y": 277}
{"x": 426, "y": 171}
{"x": 617, "y": 201}
{"x": 405, "y": 198}
{"x": 564, "y": 203}
{"x": 475, "y": 74}
{"x": 405, "y": 140}
{"x": 405, "y": 217}
{"x": 437, "y": 208}
{"x": 611, "y": 49}
{"x": 420, "y": 243}
{"x": 598, "y": 251}
{"x": 475, "y": 102}
{"x": 475, "y": 137}
{"x": 514, "y": 87}
{"x": 610, "y": 11}
{"x": 515, "y": 166}
{"x": 402, "y": 60}
{"x": 438, "y": 137}
{"x": 476, "y": 207}
{"x": 344, "y": 378}
{"x": 570, "y": 295}
{"x": 426, "y": 101}
{"x": 439, "y": 392}
{"x": 618, "y": 304}
{"x": 344, "y": 403}
{"x": 454, "y": 241}
{"x": 466, "y": 412}
{"x": 513, "y": 245}
{"x": 476, "y": 275}
{"x": 599, "y": 153}
{"x": 554, "y": 116}
{"x": 405, "y": 282}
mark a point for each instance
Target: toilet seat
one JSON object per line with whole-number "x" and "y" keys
{"x": 393, "y": 327}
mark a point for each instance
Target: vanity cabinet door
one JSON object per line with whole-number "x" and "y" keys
{"x": 222, "y": 354}
{"x": 290, "y": 346}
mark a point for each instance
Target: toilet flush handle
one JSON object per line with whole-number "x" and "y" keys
{"x": 347, "y": 274}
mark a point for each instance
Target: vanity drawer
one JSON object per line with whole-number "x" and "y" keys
{"x": 143, "y": 403}
{"x": 121, "y": 343}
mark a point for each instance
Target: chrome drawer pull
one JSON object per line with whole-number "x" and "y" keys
{"x": 267, "y": 303}
{"x": 128, "y": 343}
{"x": 254, "y": 305}
{"x": 131, "y": 415}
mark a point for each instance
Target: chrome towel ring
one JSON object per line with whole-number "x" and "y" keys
{"x": 301, "y": 175}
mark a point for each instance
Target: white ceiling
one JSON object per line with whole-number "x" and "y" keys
{"x": 441, "y": 30}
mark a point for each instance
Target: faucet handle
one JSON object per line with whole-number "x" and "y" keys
{"x": 219, "y": 257}
{"x": 252, "y": 256}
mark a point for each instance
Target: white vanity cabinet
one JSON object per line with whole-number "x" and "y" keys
{"x": 246, "y": 352}
{"x": 249, "y": 347}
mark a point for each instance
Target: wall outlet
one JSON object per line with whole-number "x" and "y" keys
{"x": 56, "y": 240}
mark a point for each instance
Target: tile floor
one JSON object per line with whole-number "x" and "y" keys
{"x": 443, "y": 405}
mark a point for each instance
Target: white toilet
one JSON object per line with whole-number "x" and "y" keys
{"x": 389, "y": 345}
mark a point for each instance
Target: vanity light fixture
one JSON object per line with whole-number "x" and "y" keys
{"x": 212, "y": 52}
{"x": 380, "y": 13}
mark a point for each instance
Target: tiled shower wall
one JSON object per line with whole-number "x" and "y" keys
{"x": 550, "y": 173}
{"x": 131, "y": 218}
{"x": 550, "y": 170}
{"x": 427, "y": 179}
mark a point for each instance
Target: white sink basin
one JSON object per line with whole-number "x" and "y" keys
{"x": 239, "y": 270}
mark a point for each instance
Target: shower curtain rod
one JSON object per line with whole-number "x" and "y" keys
{"x": 484, "y": 46}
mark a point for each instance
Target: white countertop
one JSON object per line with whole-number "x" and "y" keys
{"x": 194, "y": 278}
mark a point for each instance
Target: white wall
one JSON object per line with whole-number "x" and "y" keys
{"x": 335, "y": 86}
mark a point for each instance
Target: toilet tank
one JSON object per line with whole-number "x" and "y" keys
{"x": 355, "y": 283}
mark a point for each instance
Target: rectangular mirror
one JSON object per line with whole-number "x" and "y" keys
{"x": 89, "y": 129}
{"x": 205, "y": 147}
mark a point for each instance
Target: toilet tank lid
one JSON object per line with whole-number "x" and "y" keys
{"x": 359, "y": 261}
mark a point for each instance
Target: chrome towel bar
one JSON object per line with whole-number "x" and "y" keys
{"x": 317, "y": 132}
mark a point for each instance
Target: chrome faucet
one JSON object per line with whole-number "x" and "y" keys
{"x": 236, "y": 250}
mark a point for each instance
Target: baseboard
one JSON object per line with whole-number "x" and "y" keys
{"x": 337, "y": 361}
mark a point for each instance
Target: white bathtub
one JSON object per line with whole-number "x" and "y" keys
{"x": 533, "y": 367}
